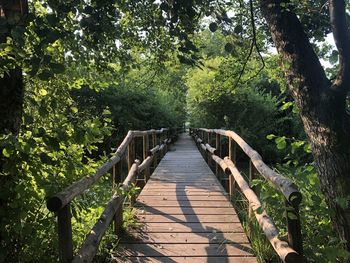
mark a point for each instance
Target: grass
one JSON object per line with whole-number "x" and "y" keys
{"x": 260, "y": 244}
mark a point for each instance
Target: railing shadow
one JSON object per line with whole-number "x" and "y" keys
{"x": 215, "y": 239}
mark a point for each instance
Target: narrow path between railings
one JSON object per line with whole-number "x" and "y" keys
{"x": 185, "y": 215}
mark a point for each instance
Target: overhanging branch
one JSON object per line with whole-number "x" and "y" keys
{"x": 341, "y": 34}
{"x": 253, "y": 44}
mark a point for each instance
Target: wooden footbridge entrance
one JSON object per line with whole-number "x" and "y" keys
{"x": 184, "y": 213}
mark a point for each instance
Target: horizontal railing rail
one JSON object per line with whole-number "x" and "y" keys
{"x": 138, "y": 173}
{"x": 290, "y": 251}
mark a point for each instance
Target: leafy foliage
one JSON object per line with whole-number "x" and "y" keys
{"x": 70, "y": 123}
{"x": 95, "y": 69}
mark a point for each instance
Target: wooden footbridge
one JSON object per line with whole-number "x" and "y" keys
{"x": 184, "y": 212}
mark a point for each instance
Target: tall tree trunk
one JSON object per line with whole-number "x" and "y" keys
{"x": 11, "y": 109}
{"x": 322, "y": 104}
{"x": 11, "y": 101}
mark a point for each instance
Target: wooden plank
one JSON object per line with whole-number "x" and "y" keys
{"x": 183, "y": 188}
{"x": 183, "y": 184}
{"x": 182, "y": 180}
{"x": 181, "y": 259}
{"x": 208, "y": 197}
{"x": 184, "y": 238}
{"x": 188, "y": 218}
{"x": 184, "y": 203}
{"x": 183, "y": 193}
{"x": 187, "y": 210}
{"x": 170, "y": 250}
{"x": 191, "y": 227}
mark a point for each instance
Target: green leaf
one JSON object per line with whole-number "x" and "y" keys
{"x": 238, "y": 29}
{"x": 228, "y": 47}
{"x": 57, "y": 67}
{"x": 287, "y": 105}
{"x": 5, "y": 153}
{"x": 213, "y": 26}
{"x": 52, "y": 19}
{"x": 307, "y": 148}
{"x": 45, "y": 75}
{"x": 281, "y": 143}
{"x": 291, "y": 216}
{"x": 106, "y": 112}
{"x": 42, "y": 92}
{"x": 270, "y": 136}
{"x": 333, "y": 59}
{"x": 74, "y": 109}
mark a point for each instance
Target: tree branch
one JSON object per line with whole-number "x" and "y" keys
{"x": 252, "y": 20}
{"x": 304, "y": 72}
{"x": 253, "y": 44}
{"x": 341, "y": 35}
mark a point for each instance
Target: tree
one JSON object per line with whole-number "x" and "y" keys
{"x": 12, "y": 16}
{"x": 322, "y": 103}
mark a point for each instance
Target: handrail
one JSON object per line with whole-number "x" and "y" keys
{"x": 90, "y": 245}
{"x": 60, "y": 202}
{"x": 62, "y": 198}
{"x": 288, "y": 252}
{"x": 285, "y": 252}
{"x": 285, "y": 186}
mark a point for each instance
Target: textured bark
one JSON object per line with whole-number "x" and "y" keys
{"x": 322, "y": 105}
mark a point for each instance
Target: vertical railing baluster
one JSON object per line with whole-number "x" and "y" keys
{"x": 154, "y": 144}
{"x": 65, "y": 241}
{"x": 131, "y": 153}
{"x": 217, "y": 146}
{"x": 145, "y": 155}
{"x": 117, "y": 179}
{"x": 294, "y": 227}
{"x": 252, "y": 175}
{"x": 232, "y": 156}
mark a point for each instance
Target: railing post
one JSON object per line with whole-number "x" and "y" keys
{"x": 218, "y": 148}
{"x": 209, "y": 154}
{"x": 118, "y": 220}
{"x": 232, "y": 156}
{"x": 117, "y": 175}
{"x": 131, "y": 153}
{"x": 65, "y": 240}
{"x": 295, "y": 239}
{"x": 154, "y": 144}
{"x": 232, "y": 150}
{"x": 145, "y": 155}
{"x": 117, "y": 178}
{"x": 253, "y": 175}
{"x": 165, "y": 142}
{"x": 160, "y": 143}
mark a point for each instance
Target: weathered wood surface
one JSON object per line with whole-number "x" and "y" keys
{"x": 287, "y": 188}
{"x": 185, "y": 215}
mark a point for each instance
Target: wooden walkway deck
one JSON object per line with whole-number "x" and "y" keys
{"x": 185, "y": 215}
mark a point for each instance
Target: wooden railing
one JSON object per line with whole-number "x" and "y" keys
{"x": 290, "y": 251}
{"x": 137, "y": 173}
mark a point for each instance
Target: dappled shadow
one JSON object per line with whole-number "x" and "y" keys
{"x": 212, "y": 239}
